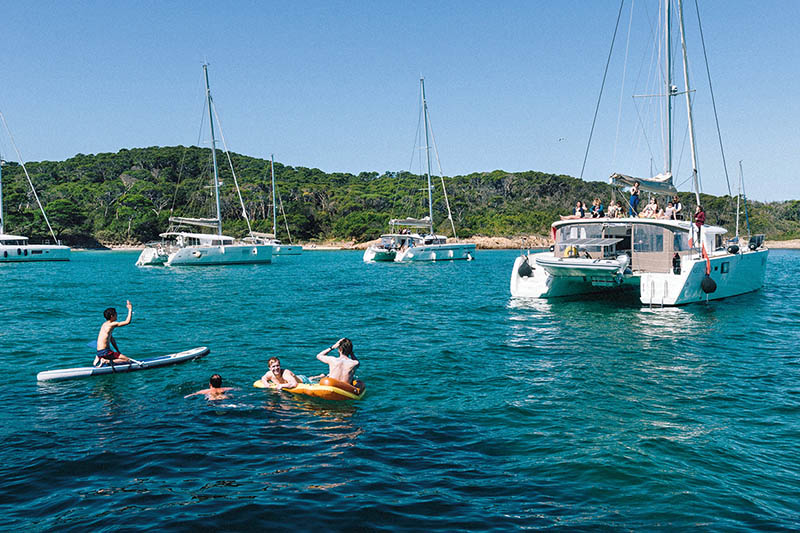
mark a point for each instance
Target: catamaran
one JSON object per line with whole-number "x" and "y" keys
{"x": 17, "y": 248}
{"x": 180, "y": 248}
{"x": 417, "y": 240}
{"x": 665, "y": 262}
{"x": 278, "y": 248}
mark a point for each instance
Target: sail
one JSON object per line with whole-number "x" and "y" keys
{"x": 659, "y": 184}
{"x": 205, "y": 222}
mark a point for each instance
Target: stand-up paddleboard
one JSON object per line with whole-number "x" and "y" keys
{"x": 86, "y": 371}
{"x": 327, "y": 389}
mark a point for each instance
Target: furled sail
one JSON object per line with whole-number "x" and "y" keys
{"x": 659, "y": 184}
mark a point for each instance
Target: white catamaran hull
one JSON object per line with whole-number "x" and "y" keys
{"x": 221, "y": 255}
{"x": 375, "y": 254}
{"x": 152, "y": 257}
{"x": 34, "y": 252}
{"x": 436, "y": 252}
{"x": 733, "y": 274}
{"x": 87, "y": 371}
{"x": 287, "y": 249}
{"x": 529, "y": 279}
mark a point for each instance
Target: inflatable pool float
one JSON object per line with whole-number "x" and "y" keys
{"x": 327, "y": 389}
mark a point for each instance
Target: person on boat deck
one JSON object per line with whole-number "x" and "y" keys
{"x": 579, "y": 212}
{"x": 676, "y": 202}
{"x": 650, "y": 210}
{"x": 614, "y": 211}
{"x": 215, "y": 390}
{"x": 633, "y": 206}
{"x": 699, "y": 217}
{"x": 106, "y": 337}
{"x": 341, "y": 368}
{"x": 597, "y": 209}
{"x": 669, "y": 212}
{"x": 282, "y": 378}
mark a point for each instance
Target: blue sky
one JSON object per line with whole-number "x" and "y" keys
{"x": 334, "y": 85}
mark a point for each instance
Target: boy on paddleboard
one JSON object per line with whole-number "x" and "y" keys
{"x": 104, "y": 354}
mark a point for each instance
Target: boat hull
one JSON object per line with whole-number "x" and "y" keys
{"x": 152, "y": 257}
{"x": 287, "y": 249}
{"x": 373, "y": 254}
{"x": 436, "y": 252}
{"x": 221, "y": 255}
{"x": 34, "y": 252}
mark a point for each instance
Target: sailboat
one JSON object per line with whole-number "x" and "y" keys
{"x": 416, "y": 240}
{"x": 278, "y": 248}
{"x": 17, "y": 248}
{"x": 180, "y": 248}
{"x": 666, "y": 262}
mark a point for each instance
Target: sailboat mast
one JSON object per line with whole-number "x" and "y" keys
{"x": 739, "y": 197}
{"x": 274, "y": 205}
{"x": 1, "y": 196}
{"x": 668, "y": 78}
{"x": 213, "y": 152}
{"x": 695, "y": 177}
{"x": 427, "y": 151}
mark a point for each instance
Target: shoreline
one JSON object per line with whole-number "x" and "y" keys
{"x": 481, "y": 242}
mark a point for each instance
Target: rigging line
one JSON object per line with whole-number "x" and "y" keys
{"x": 713, "y": 101}
{"x": 441, "y": 176}
{"x": 233, "y": 172}
{"x": 286, "y": 222}
{"x": 602, "y": 86}
{"x": 644, "y": 131}
{"x": 183, "y": 158}
{"x": 622, "y": 86}
{"x": 30, "y": 182}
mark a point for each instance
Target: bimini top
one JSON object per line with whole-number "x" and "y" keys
{"x": 7, "y": 237}
{"x": 683, "y": 225}
{"x": 660, "y": 184}
{"x": 205, "y": 222}
{"x": 204, "y": 238}
{"x": 411, "y": 222}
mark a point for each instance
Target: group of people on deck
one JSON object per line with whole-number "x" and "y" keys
{"x": 673, "y": 210}
{"x": 341, "y": 368}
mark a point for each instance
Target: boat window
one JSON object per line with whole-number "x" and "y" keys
{"x": 648, "y": 238}
{"x": 35, "y": 252}
{"x": 726, "y": 266}
{"x": 579, "y": 231}
{"x": 718, "y": 244}
{"x": 680, "y": 241}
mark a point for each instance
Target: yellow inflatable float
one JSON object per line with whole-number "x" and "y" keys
{"x": 327, "y": 389}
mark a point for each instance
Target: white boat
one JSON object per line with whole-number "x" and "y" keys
{"x": 88, "y": 371}
{"x": 181, "y": 248}
{"x": 278, "y": 248}
{"x": 664, "y": 262}
{"x": 407, "y": 246}
{"x": 17, "y": 248}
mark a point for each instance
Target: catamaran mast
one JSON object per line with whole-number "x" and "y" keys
{"x": 668, "y": 78}
{"x": 274, "y": 205}
{"x": 213, "y": 151}
{"x": 695, "y": 177}
{"x": 427, "y": 151}
{"x": 1, "y": 195}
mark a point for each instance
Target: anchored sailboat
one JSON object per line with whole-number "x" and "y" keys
{"x": 417, "y": 241}
{"x": 278, "y": 248}
{"x": 665, "y": 261}
{"x": 17, "y": 248}
{"x": 196, "y": 249}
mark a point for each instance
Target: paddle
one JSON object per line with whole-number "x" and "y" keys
{"x": 93, "y": 345}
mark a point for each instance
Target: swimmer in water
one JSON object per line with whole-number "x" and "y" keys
{"x": 215, "y": 390}
{"x": 281, "y": 378}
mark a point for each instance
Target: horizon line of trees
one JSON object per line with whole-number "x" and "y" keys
{"x": 128, "y": 197}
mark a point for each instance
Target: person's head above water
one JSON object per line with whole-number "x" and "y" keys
{"x": 346, "y": 347}
{"x": 215, "y": 381}
{"x": 110, "y": 313}
{"x": 274, "y": 365}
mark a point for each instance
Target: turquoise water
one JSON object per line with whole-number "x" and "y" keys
{"x": 481, "y": 413}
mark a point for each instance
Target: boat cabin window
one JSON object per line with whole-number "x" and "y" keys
{"x": 718, "y": 242}
{"x": 647, "y": 238}
{"x": 680, "y": 241}
{"x": 573, "y": 232}
{"x": 13, "y": 242}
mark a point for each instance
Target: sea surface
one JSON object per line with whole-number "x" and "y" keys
{"x": 482, "y": 412}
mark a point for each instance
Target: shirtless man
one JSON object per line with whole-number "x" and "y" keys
{"x": 282, "y": 378}
{"x": 215, "y": 390}
{"x": 104, "y": 355}
{"x": 341, "y": 368}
